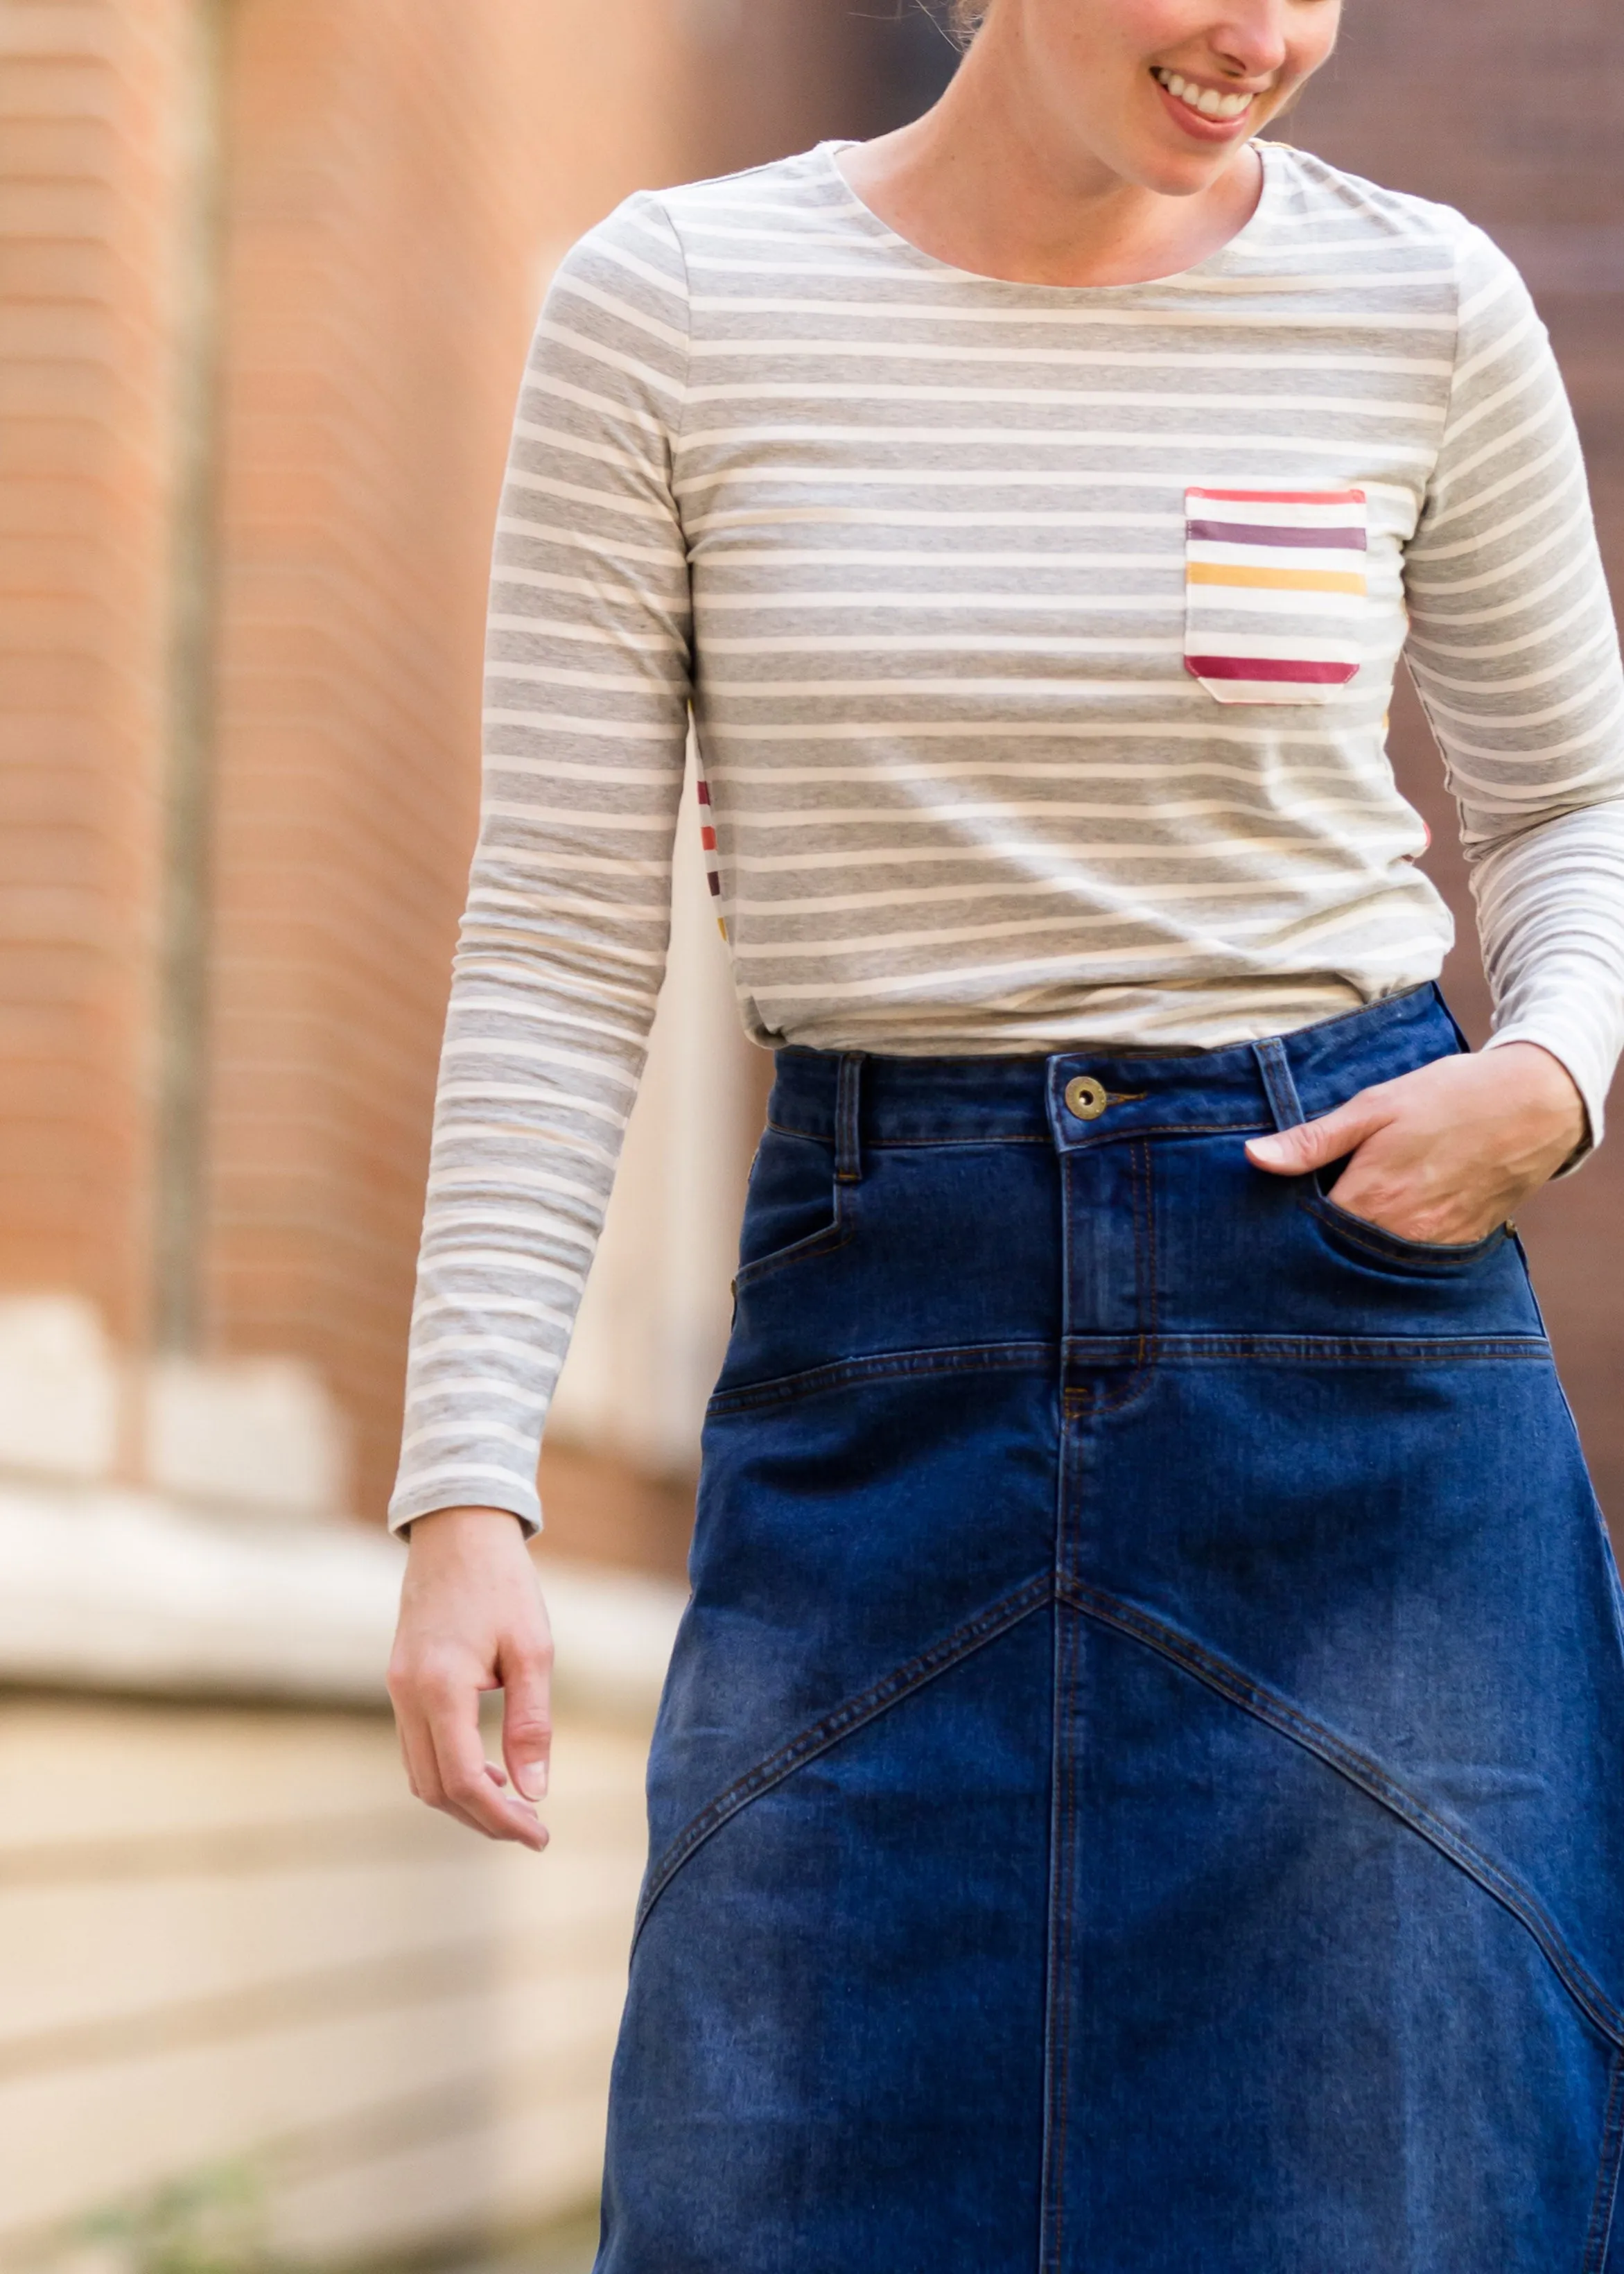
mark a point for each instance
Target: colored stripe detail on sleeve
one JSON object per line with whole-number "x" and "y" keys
{"x": 707, "y": 837}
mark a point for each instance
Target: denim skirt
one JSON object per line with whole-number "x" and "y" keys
{"x": 1140, "y": 1785}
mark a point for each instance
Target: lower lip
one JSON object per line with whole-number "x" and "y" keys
{"x": 1206, "y": 130}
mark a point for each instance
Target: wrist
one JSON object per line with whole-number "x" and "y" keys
{"x": 443, "y": 1531}
{"x": 1550, "y": 1085}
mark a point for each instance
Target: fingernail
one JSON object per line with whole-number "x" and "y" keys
{"x": 1270, "y": 1145}
{"x": 532, "y": 1779}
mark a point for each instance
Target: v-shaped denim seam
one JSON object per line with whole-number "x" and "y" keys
{"x": 1367, "y": 1775}
{"x": 852, "y": 1713}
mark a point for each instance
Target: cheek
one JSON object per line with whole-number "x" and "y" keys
{"x": 1102, "y": 40}
{"x": 1313, "y": 37}
{"x": 1093, "y": 55}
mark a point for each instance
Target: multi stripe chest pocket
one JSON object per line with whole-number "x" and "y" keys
{"x": 1275, "y": 597}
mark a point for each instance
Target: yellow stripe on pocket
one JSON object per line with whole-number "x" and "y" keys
{"x": 1277, "y": 580}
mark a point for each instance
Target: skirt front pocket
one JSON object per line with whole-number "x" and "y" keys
{"x": 1275, "y": 593}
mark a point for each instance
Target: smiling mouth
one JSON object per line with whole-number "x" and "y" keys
{"x": 1205, "y": 101}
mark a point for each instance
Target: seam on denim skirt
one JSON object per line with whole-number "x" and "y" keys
{"x": 1098, "y": 1137}
{"x": 835, "y": 1236}
{"x": 1060, "y": 1988}
{"x": 1073, "y": 1145}
{"x": 852, "y": 1714}
{"x": 1598, "y": 2236}
{"x": 1059, "y": 2001}
{"x": 971, "y": 1357}
{"x": 1146, "y": 1179}
{"x": 1342, "y": 1224}
{"x": 1368, "y": 1776}
{"x": 906, "y": 1144}
{"x": 1080, "y": 1402}
{"x": 1302, "y": 1350}
{"x": 1137, "y": 1351}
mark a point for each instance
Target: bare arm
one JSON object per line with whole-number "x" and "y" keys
{"x": 472, "y": 1620}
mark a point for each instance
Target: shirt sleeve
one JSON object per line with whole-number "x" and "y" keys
{"x": 562, "y": 944}
{"x": 1515, "y": 651}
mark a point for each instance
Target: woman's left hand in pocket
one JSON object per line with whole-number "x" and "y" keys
{"x": 1445, "y": 1152}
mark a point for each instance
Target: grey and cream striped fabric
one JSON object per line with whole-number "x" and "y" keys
{"x": 914, "y": 543}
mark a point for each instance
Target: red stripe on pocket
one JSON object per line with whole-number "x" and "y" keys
{"x": 1269, "y": 668}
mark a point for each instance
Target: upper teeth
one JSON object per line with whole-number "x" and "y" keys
{"x": 1206, "y": 99}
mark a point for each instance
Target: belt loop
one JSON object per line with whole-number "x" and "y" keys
{"x": 848, "y": 1136}
{"x": 1279, "y": 1087}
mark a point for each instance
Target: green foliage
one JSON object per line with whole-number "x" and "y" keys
{"x": 209, "y": 2222}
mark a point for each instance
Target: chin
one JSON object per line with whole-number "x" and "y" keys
{"x": 1170, "y": 175}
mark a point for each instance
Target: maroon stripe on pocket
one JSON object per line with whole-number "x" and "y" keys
{"x": 1270, "y": 667}
{"x": 1250, "y": 533}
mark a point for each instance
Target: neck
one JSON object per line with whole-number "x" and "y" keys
{"x": 992, "y": 180}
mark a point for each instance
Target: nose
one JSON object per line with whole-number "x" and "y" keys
{"x": 1251, "y": 37}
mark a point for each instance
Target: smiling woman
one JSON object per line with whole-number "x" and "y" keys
{"x": 1140, "y": 1785}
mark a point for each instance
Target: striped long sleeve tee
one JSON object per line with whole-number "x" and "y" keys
{"x": 1038, "y": 642}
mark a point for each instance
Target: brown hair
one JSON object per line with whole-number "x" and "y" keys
{"x": 965, "y": 16}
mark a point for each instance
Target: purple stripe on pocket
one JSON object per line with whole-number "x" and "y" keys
{"x": 1250, "y": 533}
{"x": 1269, "y": 668}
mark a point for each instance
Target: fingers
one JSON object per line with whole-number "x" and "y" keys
{"x": 467, "y": 1787}
{"x": 1294, "y": 1152}
{"x": 436, "y": 1714}
{"x": 422, "y": 1767}
{"x": 1444, "y": 1153}
{"x": 527, "y": 1718}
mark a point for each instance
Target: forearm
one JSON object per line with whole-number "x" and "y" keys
{"x": 1550, "y": 920}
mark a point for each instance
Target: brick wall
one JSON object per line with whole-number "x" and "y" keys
{"x": 92, "y": 167}
{"x": 389, "y": 207}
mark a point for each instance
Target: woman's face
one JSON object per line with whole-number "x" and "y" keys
{"x": 1164, "y": 92}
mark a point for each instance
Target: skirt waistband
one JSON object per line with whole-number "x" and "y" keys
{"x": 1077, "y": 1098}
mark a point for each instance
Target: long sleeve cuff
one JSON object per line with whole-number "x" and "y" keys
{"x": 465, "y": 1487}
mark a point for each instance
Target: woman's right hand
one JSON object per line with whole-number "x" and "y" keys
{"x": 472, "y": 1620}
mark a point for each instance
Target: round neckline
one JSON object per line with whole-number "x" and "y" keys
{"x": 1268, "y": 153}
